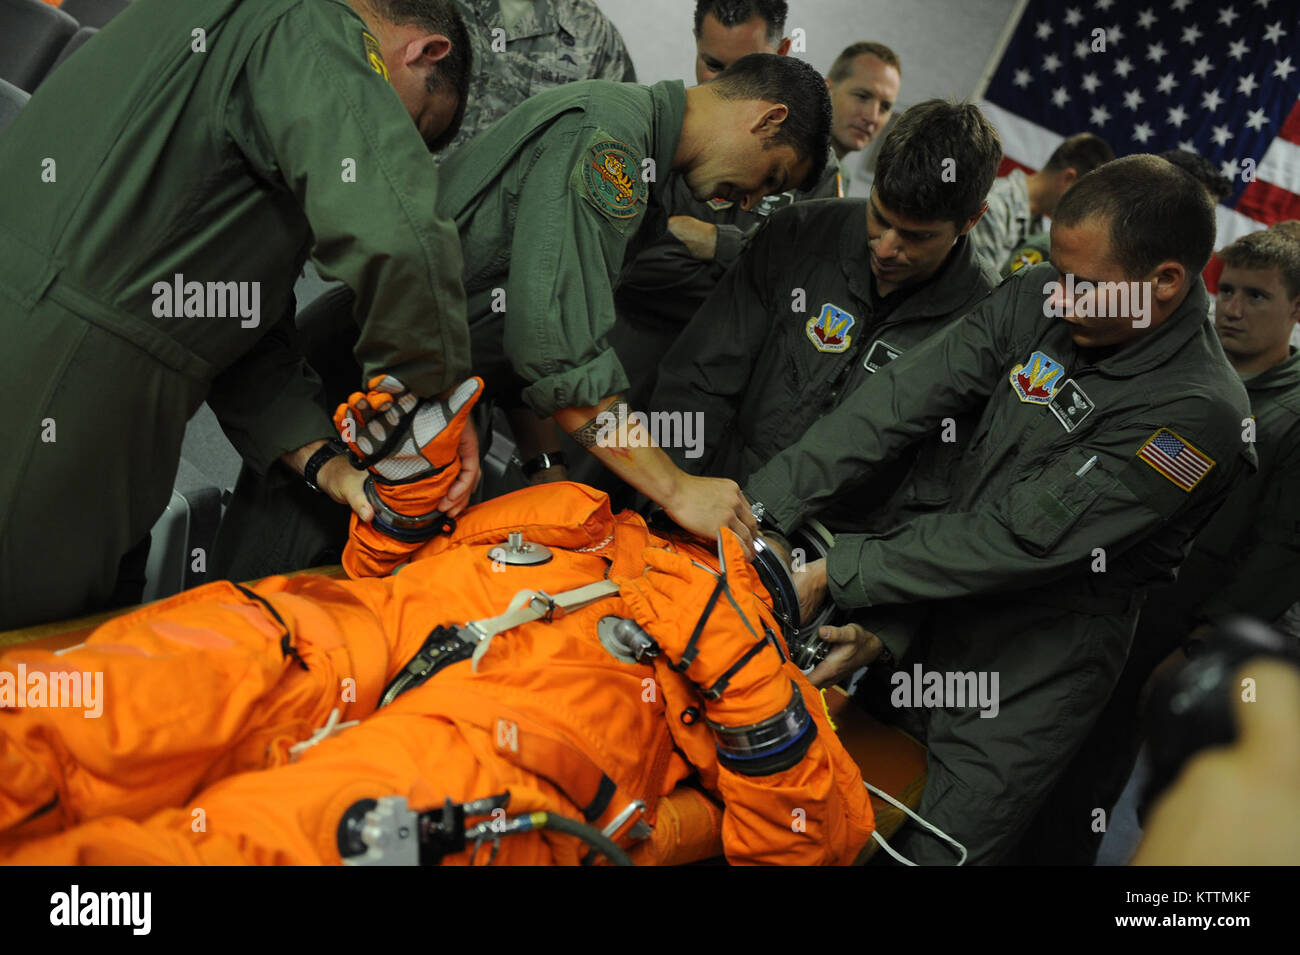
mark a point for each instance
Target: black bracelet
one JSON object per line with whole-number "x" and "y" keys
{"x": 545, "y": 460}
{"x": 327, "y": 452}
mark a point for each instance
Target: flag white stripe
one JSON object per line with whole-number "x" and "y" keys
{"x": 1281, "y": 165}
{"x": 1183, "y": 463}
{"x": 1172, "y": 468}
{"x": 1187, "y": 471}
{"x": 1022, "y": 140}
{"x": 1231, "y": 225}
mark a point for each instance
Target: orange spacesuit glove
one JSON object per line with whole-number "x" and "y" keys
{"x": 758, "y": 716}
{"x": 409, "y": 445}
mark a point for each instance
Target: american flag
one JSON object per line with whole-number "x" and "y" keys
{"x": 1220, "y": 79}
{"x": 1175, "y": 459}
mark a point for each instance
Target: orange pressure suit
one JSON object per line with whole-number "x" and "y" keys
{"x": 207, "y": 693}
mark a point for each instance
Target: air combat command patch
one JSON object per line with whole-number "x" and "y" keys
{"x": 611, "y": 176}
{"x": 1037, "y": 380}
{"x": 829, "y": 329}
{"x": 373, "y": 56}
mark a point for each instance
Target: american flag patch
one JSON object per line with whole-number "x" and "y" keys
{"x": 1175, "y": 459}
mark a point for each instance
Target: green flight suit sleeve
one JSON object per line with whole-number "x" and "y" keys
{"x": 352, "y": 158}
{"x": 1265, "y": 581}
{"x": 708, "y": 368}
{"x": 266, "y": 402}
{"x": 949, "y": 373}
{"x": 1036, "y": 530}
{"x": 566, "y": 251}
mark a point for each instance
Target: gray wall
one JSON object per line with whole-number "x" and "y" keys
{"x": 944, "y": 45}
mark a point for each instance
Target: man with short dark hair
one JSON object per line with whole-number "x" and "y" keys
{"x": 1245, "y": 561}
{"x": 1109, "y": 432}
{"x": 150, "y": 263}
{"x": 726, "y": 30}
{"x": 661, "y": 290}
{"x": 875, "y": 278}
{"x": 547, "y": 203}
{"x": 1018, "y": 202}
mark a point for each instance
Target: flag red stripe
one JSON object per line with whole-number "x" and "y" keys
{"x": 1191, "y": 467}
{"x": 1178, "y": 479}
{"x": 1290, "y": 130}
{"x": 1268, "y": 203}
{"x": 1008, "y": 165}
{"x": 1188, "y": 474}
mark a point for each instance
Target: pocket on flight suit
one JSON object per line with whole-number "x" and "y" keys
{"x": 1043, "y": 510}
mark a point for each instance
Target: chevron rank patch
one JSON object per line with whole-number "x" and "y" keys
{"x": 373, "y": 56}
{"x": 1177, "y": 460}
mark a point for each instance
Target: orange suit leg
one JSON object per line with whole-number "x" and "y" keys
{"x": 290, "y": 814}
{"x": 193, "y": 688}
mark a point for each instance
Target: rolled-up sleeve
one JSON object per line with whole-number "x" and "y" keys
{"x": 565, "y": 254}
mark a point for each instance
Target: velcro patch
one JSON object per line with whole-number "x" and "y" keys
{"x": 611, "y": 179}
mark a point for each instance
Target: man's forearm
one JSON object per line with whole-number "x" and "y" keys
{"x": 297, "y": 460}
{"x": 623, "y": 445}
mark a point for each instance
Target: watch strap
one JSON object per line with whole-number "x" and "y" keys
{"x": 545, "y": 460}
{"x": 327, "y": 452}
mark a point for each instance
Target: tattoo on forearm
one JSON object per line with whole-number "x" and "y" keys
{"x": 586, "y": 435}
{"x": 604, "y": 423}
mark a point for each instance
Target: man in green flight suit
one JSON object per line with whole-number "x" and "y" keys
{"x": 164, "y": 189}
{"x": 827, "y": 294}
{"x": 1109, "y": 433}
{"x": 664, "y": 285}
{"x": 548, "y": 202}
{"x": 1245, "y": 561}
{"x": 663, "y": 288}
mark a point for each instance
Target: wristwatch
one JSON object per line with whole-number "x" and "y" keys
{"x": 326, "y": 452}
{"x": 547, "y": 459}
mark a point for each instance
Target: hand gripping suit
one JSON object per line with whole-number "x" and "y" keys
{"x": 204, "y": 752}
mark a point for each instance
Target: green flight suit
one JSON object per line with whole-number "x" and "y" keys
{"x": 1245, "y": 561}
{"x": 554, "y": 42}
{"x": 792, "y": 331}
{"x": 1085, "y": 480}
{"x": 663, "y": 288}
{"x": 547, "y": 202}
{"x": 214, "y": 140}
